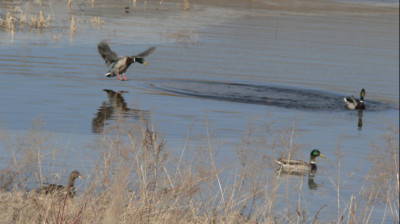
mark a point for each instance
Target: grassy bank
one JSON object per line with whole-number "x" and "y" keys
{"x": 137, "y": 179}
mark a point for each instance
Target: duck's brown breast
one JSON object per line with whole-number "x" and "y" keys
{"x": 125, "y": 64}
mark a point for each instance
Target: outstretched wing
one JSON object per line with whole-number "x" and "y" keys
{"x": 351, "y": 100}
{"x": 106, "y": 53}
{"x": 145, "y": 53}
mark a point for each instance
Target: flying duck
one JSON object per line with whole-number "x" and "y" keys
{"x": 120, "y": 63}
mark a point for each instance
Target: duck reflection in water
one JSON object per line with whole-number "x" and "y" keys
{"x": 360, "y": 122}
{"x": 311, "y": 183}
{"x": 113, "y": 108}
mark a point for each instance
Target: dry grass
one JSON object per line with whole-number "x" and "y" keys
{"x": 39, "y": 21}
{"x": 72, "y": 29}
{"x": 16, "y": 20}
{"x": 382, "y": 182}
{"x": 186, "y": 5}
{"x": 96, "y": 22}
{"x": 137, "y": 180}
{"x": 73, "y": 26}
{"x": 69, "y": 5}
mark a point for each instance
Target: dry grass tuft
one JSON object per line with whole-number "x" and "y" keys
{"x": 16, "y": 20}
{"x": 39, "y": 22}
{"x": 10, "y": 22}
{"x": 69, "y": 5}
{"x": 73, "y": 26}
{"x": 72, "y": 30}
{"x": 96, "y": 22}
{"x": 186, "y": 5}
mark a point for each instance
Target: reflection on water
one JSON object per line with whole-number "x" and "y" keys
{"x": 311, "y": 183}
{"x": 360, "y": 123}
{"x": 273, "y": 95}
{"x": 114, "y": 107}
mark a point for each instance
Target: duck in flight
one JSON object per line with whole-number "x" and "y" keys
{"x": 120, "y": 63}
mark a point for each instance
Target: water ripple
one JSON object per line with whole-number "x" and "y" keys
{"x": 271, "y": 95}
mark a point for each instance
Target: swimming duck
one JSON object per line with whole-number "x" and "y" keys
{"x": 60, "y": 189}
{"x": 355, "y": 104}
{"x": 120, "y": 63}
{"x": 300, "y": 167}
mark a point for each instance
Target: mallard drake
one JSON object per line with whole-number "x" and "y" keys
{"x": 120, "y": 63}
{"x": 300, "y": 167}
{"x": 60, "y": 189}
{"x": 355, "y": 104}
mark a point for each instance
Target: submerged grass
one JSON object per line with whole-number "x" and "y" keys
{"x": 138, "y": 180}
{"x": 16, "y": 19}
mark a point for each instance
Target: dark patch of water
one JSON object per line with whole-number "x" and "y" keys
{"x": 266, "y": 94}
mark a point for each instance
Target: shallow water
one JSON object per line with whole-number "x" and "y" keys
{"x": 229, "y": 67}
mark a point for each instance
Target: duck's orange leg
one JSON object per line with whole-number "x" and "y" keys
{"x": 123, "y": 74}
{"x": 119, "y": 77}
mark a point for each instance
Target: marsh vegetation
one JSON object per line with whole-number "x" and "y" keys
{"x": 137, "y": 178}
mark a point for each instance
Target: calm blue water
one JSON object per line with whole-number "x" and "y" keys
{"x": 218, "y": 69}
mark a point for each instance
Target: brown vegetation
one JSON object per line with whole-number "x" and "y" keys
{"x": 137, "y": 180}
{"x": 16, "y": 20}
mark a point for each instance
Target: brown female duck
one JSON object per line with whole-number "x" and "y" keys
{"x": 60, "y": 189}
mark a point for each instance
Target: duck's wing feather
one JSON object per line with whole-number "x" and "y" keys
{"x": 295, "y": 162}
{"x": 107, "y": 54}
{"x": 50, "y": 188}
{"x": 145, "y": 53}
{"x": 351, "y": 100}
